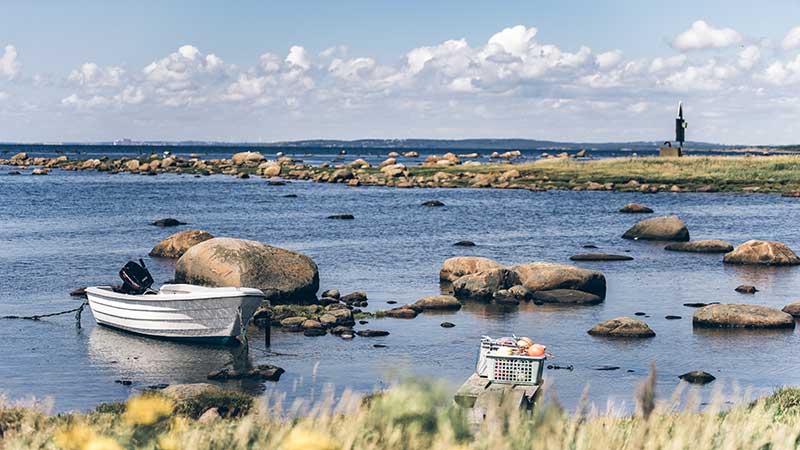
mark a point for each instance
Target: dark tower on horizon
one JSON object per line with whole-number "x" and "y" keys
{"x": 680, "y": 126}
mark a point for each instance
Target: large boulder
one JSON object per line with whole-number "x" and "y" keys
{"x": 622, "y": 327}
{"x": 545, "y": 276}
{"x": 703, "y": 246}
{"x": 741, "y": 316}
{"x": 247, "y": 158}
{"x": 483, "y": 285}
{"x": 284, "y": 276}
{"x": 762, "y": 253}
{"x": 177, "y": 244}
{"x": 455, "y": 268}
{"x": 664, "y": 228}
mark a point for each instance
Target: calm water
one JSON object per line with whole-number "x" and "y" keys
{"x": 73, "y": 229}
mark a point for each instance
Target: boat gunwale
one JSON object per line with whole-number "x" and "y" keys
{"x": 223, "y": 293}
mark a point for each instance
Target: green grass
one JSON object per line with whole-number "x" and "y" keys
{"x": 410, "y": 416}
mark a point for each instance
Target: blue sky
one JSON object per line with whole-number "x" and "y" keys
{"x": 266, "y": 71}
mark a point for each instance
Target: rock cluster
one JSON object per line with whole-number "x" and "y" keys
{"x": 483, "y": 279}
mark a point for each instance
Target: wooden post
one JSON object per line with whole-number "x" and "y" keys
{"x": 267, "y": 330}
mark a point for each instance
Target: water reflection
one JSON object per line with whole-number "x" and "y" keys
{"x": 153, "y": 361}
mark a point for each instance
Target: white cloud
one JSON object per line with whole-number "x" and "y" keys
{"x": 609, "y": 59}
{"x": 671, "y": 62}
{"x": 782, "y": 73}
{"x": 9, "y": 67}
{"x": 709, "y": 77}
{"x": 702, "y": 35}
{"x": 92, "y": 75}
{"x": 639, "y": 107}
{"x": 749, "y": 56}
{"x": 792, "y": 39}
{"x": 298, "y": 57}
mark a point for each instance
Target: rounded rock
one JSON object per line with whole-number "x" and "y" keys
{"x": 284, "y": 276}
{"x": 455, "y": 268}
{"x": 665, "y": 228}
{"x": 635, "y": 208}
{"x": 622, "y": 327}
{"x": 702, "y": 246}
{"x": 545, "y": 276}
{"x": 176, "y": 245}
{"x": 766, "y": 253}
{"x": 741, "y": 316}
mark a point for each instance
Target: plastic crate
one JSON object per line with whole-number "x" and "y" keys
{"x": 515, "y": 369}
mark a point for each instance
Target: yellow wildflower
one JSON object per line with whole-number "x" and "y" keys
{"x": 81, "y": 437}
{"x": 169, "y": 442}
{"x": 102, "y": 443}
{"x": 147, "y": 409}
{"x": 308, "y": 440}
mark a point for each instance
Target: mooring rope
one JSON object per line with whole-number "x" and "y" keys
{"x": 77, "y": 312}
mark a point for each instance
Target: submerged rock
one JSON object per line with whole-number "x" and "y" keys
{"x": 168, "y": 222}
{"x": 264, "y": 372}
{"x": 433, "y": 203}
{"x": 746, "y": 289}
{"x": 455, "y": 268}
{"x": 622, "y": 327}
{"x": 372, "y": 333}
{"x": 741, "y": 316}
{"x": 284, "y": 276}
{"x": 544, "y": 276}
{"x": 635, "y": 208}
{"x": 177, "y": 244}
{"x": 600, "y": 257}
{"x": 665, "y": 228}
{"x": 697, "y": 377}
{"x": 567, "y": 296}
{"x": 702, "y": 246}
{"x": 762, "y": 253}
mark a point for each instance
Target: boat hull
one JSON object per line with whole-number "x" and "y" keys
{"x": 204, "y": 314}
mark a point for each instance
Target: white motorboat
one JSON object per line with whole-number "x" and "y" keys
{"x": 177, "y": 311}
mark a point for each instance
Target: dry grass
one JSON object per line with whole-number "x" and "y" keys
{"x": 413, "y": 417}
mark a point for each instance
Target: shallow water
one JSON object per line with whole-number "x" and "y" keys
{"x": 74, "y": 229}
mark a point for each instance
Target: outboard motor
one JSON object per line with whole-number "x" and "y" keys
{"x": 136, "y": 279}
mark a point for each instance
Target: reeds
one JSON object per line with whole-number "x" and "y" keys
{"x": 414, "y": 416}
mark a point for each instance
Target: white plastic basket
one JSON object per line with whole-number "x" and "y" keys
{"x": 515, "y": 369}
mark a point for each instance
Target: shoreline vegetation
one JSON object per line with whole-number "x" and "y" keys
{"x": 566, "y": 171}
{"x": 407, "y": 416}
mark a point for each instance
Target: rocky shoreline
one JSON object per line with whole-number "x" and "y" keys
{"x": 565, "y": 171}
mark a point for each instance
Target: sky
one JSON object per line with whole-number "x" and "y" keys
{"x": 567, "y": 70}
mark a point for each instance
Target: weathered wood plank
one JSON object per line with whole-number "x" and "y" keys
{"x": 469, "y": 391}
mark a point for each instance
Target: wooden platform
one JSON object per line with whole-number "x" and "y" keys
{"x": 479, "y": 394}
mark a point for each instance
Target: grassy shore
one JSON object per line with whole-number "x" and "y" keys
{"x": 777, "y": 174}
{"x": 407, "y": 417}
{"x": 767, "y": 174}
